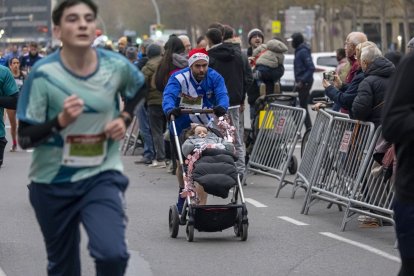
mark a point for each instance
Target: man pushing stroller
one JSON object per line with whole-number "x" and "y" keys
{"x": 195, "y": 87}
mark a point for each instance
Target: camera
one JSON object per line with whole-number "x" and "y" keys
{"x": 329, "y": 76}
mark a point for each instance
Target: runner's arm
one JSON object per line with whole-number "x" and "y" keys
{"x": 33, "y": 135}
{"x": 9, "y": 102}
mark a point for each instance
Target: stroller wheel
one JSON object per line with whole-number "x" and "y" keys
{"x": 244, "y": 231}
{"x": 173, "y": 221}
{"x": 293, "y": 165}
{"x": 237, "y": 223}
{"x": 190, "y": 232}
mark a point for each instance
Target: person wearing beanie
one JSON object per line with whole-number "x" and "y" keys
{"x": 154, "y": 50}
{"x": 156, "y": 117}
{"x": 194, "y": 87}
{"x": 131, "y": 54}
{"x": 255, "y": 38}
{"x": 303, "y": 68}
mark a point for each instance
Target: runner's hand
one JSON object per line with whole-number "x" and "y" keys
{"x": 115, "y": 129}
{"x": 72, "y": 108}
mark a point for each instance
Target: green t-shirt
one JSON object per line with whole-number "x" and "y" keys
{"x": 7, "y": 88}
{"x": 80, "y": 150}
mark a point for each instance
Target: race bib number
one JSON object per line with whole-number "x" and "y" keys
{"x": 189, "y": 102}
{"x": 84, "y": 150}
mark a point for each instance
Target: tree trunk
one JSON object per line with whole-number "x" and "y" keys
{"x": 405, "y": 25}
{"x": 384, "y": 44}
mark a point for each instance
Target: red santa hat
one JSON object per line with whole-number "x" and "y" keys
{"x": 197, "y": 54}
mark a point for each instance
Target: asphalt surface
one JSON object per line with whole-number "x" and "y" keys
{"x": 281, "y": 241}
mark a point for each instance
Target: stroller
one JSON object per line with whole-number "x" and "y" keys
{"x": 260, "y": 106}
{"x": 208, "y": 218}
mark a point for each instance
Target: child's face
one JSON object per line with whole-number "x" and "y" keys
{"x": 200, "y": 131}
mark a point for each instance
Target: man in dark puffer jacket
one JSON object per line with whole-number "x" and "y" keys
{"x": 367, "y": 105}
{"x": 398, "y": 128}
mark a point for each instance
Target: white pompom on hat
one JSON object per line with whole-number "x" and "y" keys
{"x": 196, "y": 55}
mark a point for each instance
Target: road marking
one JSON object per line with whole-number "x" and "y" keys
{"x": 294, "y": 221}
{"x": 255, "y": 203}
{"x": 362, "y": 246}
{"x": 2, "y": 273}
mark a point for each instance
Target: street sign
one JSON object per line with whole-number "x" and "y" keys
{"x": 276, "y": 27}
{"x": 299, "y": 20}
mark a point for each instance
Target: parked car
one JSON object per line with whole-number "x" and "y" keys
{"x": 324, "y": 62}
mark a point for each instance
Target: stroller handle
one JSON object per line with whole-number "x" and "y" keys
{"x": 196, "y": 111}
{"x": 193, "y": 111}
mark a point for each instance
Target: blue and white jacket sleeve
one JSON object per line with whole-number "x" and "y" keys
{"x": 220, "y": 91}
{"x": 171, "y": 94}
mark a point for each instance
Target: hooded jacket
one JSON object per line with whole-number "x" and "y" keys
{"x": 270, "y": 54}
{"x": 367, "y": 105}
{"x": 303, "y": 65}
{"x": 154, "y": 96}
{"x": 227, "y": 60}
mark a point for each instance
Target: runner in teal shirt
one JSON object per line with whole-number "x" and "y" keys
{"x": 8, "y": 99}
{"x": 70, "y": 112}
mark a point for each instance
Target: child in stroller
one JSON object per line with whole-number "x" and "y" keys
{"x": 201, "y": 140}
{"x": 210, "y": 164}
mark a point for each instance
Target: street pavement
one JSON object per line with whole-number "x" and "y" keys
{"x": 281, "y": 241}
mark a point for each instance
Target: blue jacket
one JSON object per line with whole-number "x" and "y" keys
{"x": 212, "y": 89}
{"x": 28, "y": 60}
{"x": 346, "y": 95}
{"x": 303, "y": 65}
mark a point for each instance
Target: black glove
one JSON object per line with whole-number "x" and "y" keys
{"x": 175, "y": 111}
{"x": 219, "y": 111}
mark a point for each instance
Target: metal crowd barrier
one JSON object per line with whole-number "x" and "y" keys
{"x": 275, "y": 143}
{"x": 316, "y": 140}
{"x": 131, "y": 136}
{"x": 340, "y": 163}
{"x": 373, "y": 194}
{"x": 314, "y": 144}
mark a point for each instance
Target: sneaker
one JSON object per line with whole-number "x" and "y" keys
{"x": 143, "y": 160}
{"x": 13, "y": 148}
{"x": 158, "y": 164}
{"x": 364, "y": 218}
{"x": 369, "y": 224}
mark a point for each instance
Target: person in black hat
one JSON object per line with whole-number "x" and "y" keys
{"x": 303, "y": 68}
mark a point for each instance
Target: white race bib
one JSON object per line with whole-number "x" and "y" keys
{"x": 189, "y": 102}
{"x": 84, "y": 150}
